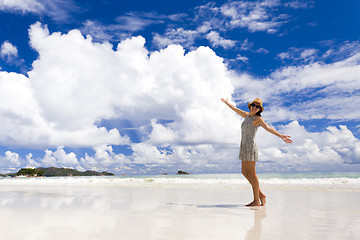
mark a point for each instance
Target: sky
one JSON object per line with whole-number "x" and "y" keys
{"x": 134, "y": 87}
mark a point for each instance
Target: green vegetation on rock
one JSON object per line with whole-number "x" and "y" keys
{"x": 30, "y": 172}
{"x": 54, "y": 172}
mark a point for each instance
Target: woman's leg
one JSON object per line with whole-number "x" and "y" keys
{"x": 249, "y": 172}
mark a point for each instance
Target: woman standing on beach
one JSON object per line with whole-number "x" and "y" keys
{"x": 248, "y": 148}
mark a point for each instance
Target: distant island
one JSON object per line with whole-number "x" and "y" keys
{"x": 54, "y": 172}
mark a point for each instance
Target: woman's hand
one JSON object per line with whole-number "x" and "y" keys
{"x": 234, "y": 108}
{"x": 225, "y": 100}
{"x": 286, "y": 139}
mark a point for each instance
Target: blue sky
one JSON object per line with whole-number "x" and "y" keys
{"x": 133, "y": 87}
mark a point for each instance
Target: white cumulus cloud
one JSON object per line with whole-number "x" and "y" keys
{"x": 9, "y": 53}
{"x": 76, "y": 83}
{"x": 312, "y": 151}
{"x": 8, "y": 50}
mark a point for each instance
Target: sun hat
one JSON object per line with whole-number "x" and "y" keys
{"x": 259, "y": 102}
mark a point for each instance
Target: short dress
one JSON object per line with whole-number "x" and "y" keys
{"x": 248, "y": 147}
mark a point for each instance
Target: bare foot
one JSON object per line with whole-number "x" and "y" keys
{"x": 253, "y": 204}
{"x": 263, "y": 199}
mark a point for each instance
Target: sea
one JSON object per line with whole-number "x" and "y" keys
{"x": 284, "y": 181}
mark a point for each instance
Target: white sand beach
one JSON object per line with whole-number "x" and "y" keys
{"x": 103, "y": 211}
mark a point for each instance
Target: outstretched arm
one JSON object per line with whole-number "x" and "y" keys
{"x": 285, "y": 138}
{"x": 234, "y": 108}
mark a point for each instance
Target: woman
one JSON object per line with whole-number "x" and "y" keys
{"x": 248, "y": 148}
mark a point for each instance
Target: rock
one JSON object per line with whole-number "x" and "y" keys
{"x": 54, "y": 172}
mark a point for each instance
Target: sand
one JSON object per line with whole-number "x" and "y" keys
{"x": 115, "y": 212}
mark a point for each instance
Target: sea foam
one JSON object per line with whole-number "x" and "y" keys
{"x": 193, "y": 181}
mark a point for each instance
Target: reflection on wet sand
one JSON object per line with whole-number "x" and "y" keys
{"x": 105, "y": 212}
{"x": 255, "y": 232}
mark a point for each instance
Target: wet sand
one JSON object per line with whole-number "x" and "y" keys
{"x": 113, "y": 212}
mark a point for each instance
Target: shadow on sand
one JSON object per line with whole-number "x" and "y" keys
{"x": 221, "y": 206}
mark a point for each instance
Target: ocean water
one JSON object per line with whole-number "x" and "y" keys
{"x": 306, "y": 181}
